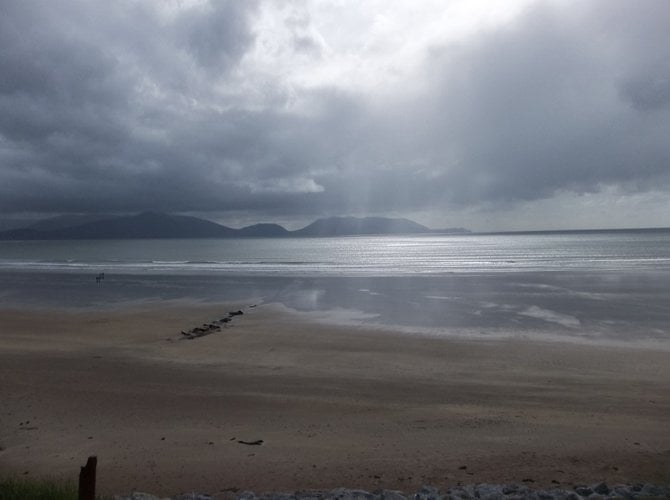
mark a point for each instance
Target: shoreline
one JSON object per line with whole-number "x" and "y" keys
{"x": 334, "y": 405}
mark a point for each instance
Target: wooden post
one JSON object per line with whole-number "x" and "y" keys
{"x": 87, "y": 479}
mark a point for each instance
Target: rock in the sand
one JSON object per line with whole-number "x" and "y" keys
{"x": 235, "y": 313}
{"x": 193, "y": 496}
{"x": 345, "y": 494}
{"x": 461, "y": 493}
{"x": 509, "y": 489}
{"x": 570, "y": 495}
{"x": 294, "y": 496}
{"x": 247, "y": 495}
{"x": 390, "y": 495}
{"x": 277, "y": 496}
{"x": 651, "y": 490}
{"x": 620, "y": 490}
{"x": 309, "y": 495}
{"x": 488, "y": 491}
{"x": 583, "y": 491}
{"x": 428, "y": 493}
{"x": 138, "y": 495}
{"x": 601, "y": 489}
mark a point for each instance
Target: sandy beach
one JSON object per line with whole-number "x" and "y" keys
{"x": 333, "y": 405}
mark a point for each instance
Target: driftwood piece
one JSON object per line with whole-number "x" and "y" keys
{"x": 258, "y": 442}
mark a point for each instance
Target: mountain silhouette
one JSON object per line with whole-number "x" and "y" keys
{"x": 151, "y": 225}
{"x": 345, "y": 226}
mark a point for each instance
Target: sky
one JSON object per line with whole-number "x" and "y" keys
{"x": 483, "y": 114}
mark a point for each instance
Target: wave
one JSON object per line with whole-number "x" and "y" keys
{"x": 349, "y": 256}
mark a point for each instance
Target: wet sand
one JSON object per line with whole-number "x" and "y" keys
{"x": 333, "y": 405}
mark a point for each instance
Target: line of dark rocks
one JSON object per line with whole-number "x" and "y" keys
{"x": 209, "y": 328}
{"x": 600, "y": 491}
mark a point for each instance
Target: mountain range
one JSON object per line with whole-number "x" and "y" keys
{"x": 160, "y": 225}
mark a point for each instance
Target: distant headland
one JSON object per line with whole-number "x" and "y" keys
{"x": 160, "y": 225}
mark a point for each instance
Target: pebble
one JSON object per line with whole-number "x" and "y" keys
{"x": 469, "y": 492}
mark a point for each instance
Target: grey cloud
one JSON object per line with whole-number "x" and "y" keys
{"x": 109, "y": 108}
{"x": 298, "y": 22}
{"x": 85, "y": 109}
{"x": 306, "y": 44}
{"x": 648, "y": 93}
{"x": 218, "y": 33}
{"x": 535, "y": 108}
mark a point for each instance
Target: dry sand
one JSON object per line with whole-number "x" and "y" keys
{"x": 334, "y": 406}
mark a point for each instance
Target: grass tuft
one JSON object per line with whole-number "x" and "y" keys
{"x": 14, "y": 488}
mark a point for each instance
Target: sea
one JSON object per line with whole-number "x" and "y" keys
{"x": 602, "y": 287}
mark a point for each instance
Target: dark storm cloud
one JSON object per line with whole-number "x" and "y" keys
{"x": 90, "y": 111}
{"x": 124, "y": 107}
